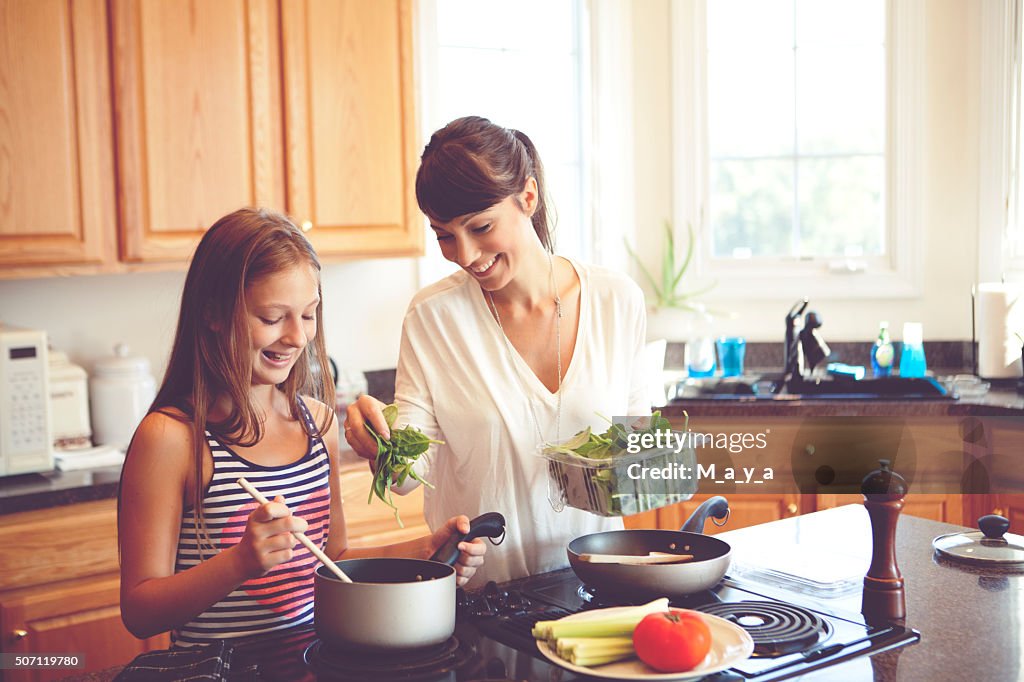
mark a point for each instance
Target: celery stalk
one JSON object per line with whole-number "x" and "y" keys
{"x": 617, "y": 625}
{"x": 591, "y": 661}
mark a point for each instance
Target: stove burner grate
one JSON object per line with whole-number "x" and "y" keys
{"x": 416, "y": 664}
{"x": 776, "y": 628}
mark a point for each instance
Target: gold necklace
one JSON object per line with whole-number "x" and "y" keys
{"x": 558, "y": 354}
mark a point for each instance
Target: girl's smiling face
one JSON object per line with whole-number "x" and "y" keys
{"x": 282, "y": 321}
{"x": 489, "y": 244}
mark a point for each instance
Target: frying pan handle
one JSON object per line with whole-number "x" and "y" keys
{"x": 717, "y": 507}
{"x": 490, "y": 525}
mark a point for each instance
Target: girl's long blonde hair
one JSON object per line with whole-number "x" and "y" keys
{"x": 212, "y": 354}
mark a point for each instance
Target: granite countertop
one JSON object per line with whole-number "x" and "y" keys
{"x": 969, "y": 618}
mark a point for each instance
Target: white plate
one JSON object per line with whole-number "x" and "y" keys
{"x": 730, "y": 644}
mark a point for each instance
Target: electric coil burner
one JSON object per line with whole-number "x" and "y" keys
{"x": 776, "y": 628}
{"x": 429, "y": 663}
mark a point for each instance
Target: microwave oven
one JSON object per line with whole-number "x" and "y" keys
{"x": 25, "y": 425}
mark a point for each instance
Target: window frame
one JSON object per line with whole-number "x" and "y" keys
{"x": 896, "y": 274}
{"x": 999, "y": 163}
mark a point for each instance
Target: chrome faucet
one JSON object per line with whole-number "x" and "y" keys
{"x": 793, "y": 359}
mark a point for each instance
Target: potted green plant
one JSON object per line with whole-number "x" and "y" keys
{"x": 671, "y": 308}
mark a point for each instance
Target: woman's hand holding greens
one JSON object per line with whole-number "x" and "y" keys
{"x": 365, "y": 410}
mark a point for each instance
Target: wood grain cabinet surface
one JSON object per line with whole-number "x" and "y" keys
{"x": 120, "y": 146}
{"x": 57, "y": 210}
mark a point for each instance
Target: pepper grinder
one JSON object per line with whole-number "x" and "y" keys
{"x": 884, "y": 599}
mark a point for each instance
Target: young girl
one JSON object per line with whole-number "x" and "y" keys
{"x": 198, "y": 555}
{"x": 517, "y": 348}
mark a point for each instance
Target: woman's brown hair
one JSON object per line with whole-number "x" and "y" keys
{"x": 212, "y": 356}
{"x": 472, "y": 164}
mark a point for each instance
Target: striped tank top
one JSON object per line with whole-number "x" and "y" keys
{"x": 283, "y": 597}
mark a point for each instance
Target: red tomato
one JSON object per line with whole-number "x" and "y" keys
{"x": 672, "y": 641}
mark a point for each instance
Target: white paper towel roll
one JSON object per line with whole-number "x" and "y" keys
{"x": 999, "y": 313}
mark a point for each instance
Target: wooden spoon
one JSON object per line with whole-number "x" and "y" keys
{"x": 634, "y": 559}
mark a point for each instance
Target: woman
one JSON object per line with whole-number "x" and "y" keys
{"x": 518, "y": 348}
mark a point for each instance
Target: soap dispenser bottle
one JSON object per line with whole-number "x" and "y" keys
{"x": 882, "y": 352}
{"x": 700, "y": 350}
{"x": 912, "y": 362}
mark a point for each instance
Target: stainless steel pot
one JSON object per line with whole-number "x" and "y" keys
{"x": 394, "y": 603}
{"x": 710, "y": 561}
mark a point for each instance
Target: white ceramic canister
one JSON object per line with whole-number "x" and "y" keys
{"x": 121, "y": 389}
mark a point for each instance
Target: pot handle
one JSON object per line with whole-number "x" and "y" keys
{"x": 490, "y": 525}
{"x": 717, "y": 507}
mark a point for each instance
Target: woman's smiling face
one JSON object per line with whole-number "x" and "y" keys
{"x": 282, "y": 321}
{"x": 490, "y": 243}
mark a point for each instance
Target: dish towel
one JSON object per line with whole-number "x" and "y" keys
{"x": 209, "y": 662}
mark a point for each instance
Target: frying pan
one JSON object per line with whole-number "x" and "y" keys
{"x": 710, "y": 560}
{"x": 393, "y": 603}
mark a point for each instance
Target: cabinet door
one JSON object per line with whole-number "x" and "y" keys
{"x": 76, "y": 617}
{"x": 945, "y": 508}
{"x": 350, "y": 126}
{"x": 56, "y": 144}
{"x": 198, "y": 109}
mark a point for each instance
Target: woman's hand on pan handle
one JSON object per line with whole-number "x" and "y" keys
{"x": 471, "y": 554}
{"x": 366, "y": 409}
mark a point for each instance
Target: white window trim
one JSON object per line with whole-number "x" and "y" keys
{"x": 998, "y": 148}
{"x": 897, "y": 275}
{"x": 611, "y": 218}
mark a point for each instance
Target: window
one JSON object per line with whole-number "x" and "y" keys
{"x": 1001, "y": 216}
{"x": 796, "y": 144}
{"x": 522, "y": 66}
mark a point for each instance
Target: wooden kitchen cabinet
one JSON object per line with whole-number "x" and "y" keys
{"x": 304, "y": 106}
{"x": 197, "y": 99}
{"x": 745, "y": 509}
{"x": 60, "y": 589}
{"x": 57, "y": 212}
{"x": 72, "y": 617}
{"x": 374, "y": 524}
{"x": 352, "y": 144}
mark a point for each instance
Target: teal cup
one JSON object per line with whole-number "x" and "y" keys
{"x": 731, "y": 350}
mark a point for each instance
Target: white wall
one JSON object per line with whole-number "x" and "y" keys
{"x": 85, "y": 316}
{"x": 951, "y": 186}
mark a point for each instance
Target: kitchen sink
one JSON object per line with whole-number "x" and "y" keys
{"x": 772, "y": 387}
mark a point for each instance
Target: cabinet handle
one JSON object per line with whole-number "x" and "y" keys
{"x": 306, "y": 225}
{"x": 792, "y": 508}
{"x": 998, "y": 511}
{"x": 19, "y": 634}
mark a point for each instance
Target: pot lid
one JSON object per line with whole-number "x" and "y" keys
{"x": 990, "y": 546}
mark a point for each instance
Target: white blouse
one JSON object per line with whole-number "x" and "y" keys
{"x": 458, "y": 382}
